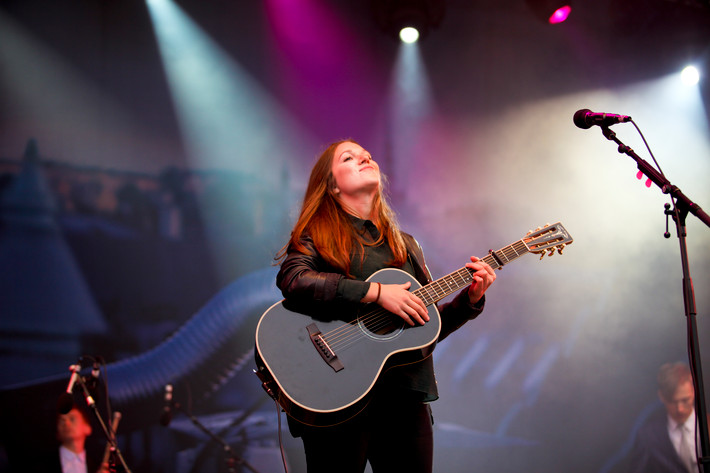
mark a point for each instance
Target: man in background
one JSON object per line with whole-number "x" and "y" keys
{"x": 667, "y": 442}
{"x": 73, "y": 428}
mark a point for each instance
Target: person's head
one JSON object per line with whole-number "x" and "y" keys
{"x": 675, "y": 389}
{"x": 355, "y": 174}
{"x": 344, "y": 173}
{"x": 344, "y": 167}
{"x": 73, "y": 428}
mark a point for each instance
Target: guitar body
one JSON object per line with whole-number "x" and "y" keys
{"x": 316, "y": 392}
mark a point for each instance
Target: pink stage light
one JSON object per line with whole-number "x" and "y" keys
{"x": 560, "y": 15}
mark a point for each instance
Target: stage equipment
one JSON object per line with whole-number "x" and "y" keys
{"x": 232, "y": 460}
{"x": 551, "y": 11}
{"x": 395, "y": 15}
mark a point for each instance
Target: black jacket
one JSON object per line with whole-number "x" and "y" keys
{"x": 653, "y": 451}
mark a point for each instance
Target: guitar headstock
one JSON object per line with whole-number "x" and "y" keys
{"x": 549, "y": 238}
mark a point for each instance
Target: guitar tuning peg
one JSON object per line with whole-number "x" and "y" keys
{"x": 538, "y": 229}
{"x": 551, "y": 251}
{"x": 542, "y": 255}
{"x": 560, "y": 248}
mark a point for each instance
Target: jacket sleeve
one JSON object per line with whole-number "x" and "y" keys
{"x": 456, "y": 313}
{"x": 308, "y": 279}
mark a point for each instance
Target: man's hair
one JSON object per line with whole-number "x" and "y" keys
{"x": 672, "y": 375}
{"x": 84, "y": 414}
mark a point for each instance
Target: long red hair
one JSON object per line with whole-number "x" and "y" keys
{"x": 323, "y": 219}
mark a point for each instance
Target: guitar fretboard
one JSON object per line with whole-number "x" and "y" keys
{"x": 442, "y": 287}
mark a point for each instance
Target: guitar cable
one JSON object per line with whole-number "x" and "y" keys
{"x": 266, "y": 384}
{"x": 281, "y": 444}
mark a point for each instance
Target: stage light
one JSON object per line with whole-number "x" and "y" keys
{"x": 395, "y": 16}
{"x": 560, "y": 15}
{"x": 690, "y": 75}
{"x": 409, "y": 34}
{"x": 551, "y": 11}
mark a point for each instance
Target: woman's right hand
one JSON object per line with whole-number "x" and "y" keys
{"x": 397, "y": 298}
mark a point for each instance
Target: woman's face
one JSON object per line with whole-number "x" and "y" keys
{"x": 354, "y": 171}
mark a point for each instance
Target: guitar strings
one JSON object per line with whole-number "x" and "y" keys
{"x": 345, "y": 335}
{"x": 375, "y": 320}
{"x": 420, "y": 292}
{"x": 380, "y": 318}
{"x": 350, "y": 332}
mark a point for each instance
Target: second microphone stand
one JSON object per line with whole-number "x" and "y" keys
{"x": 115, "y": 452}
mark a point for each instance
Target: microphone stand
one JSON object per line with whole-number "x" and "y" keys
{"x": 110, "y": 437}
{"x": 683, "y": 205}
{"x": 233, "y": 457}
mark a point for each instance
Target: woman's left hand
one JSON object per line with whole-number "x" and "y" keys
{"x": 483, "y": 277}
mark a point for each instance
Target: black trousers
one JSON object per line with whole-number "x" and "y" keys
{"x": 394, "y": 436}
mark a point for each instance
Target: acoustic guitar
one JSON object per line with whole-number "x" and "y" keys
{"x": 321, "y": 368}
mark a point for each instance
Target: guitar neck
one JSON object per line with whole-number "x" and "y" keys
{"x": 442, "y": 287}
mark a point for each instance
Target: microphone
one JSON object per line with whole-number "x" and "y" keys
{"x": 167, "y": 414}
{"x": 585, "y": 118}
{"x": 66, "y": 399}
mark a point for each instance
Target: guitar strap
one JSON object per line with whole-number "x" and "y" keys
{"x": 416, "y": 259}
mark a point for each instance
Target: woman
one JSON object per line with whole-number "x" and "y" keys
{"x": 346, "y": 232}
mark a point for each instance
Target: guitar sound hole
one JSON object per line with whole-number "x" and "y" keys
{"x": 382, "y": 325}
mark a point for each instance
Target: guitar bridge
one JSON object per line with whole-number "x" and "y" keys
{"x": 323, "y": 348}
